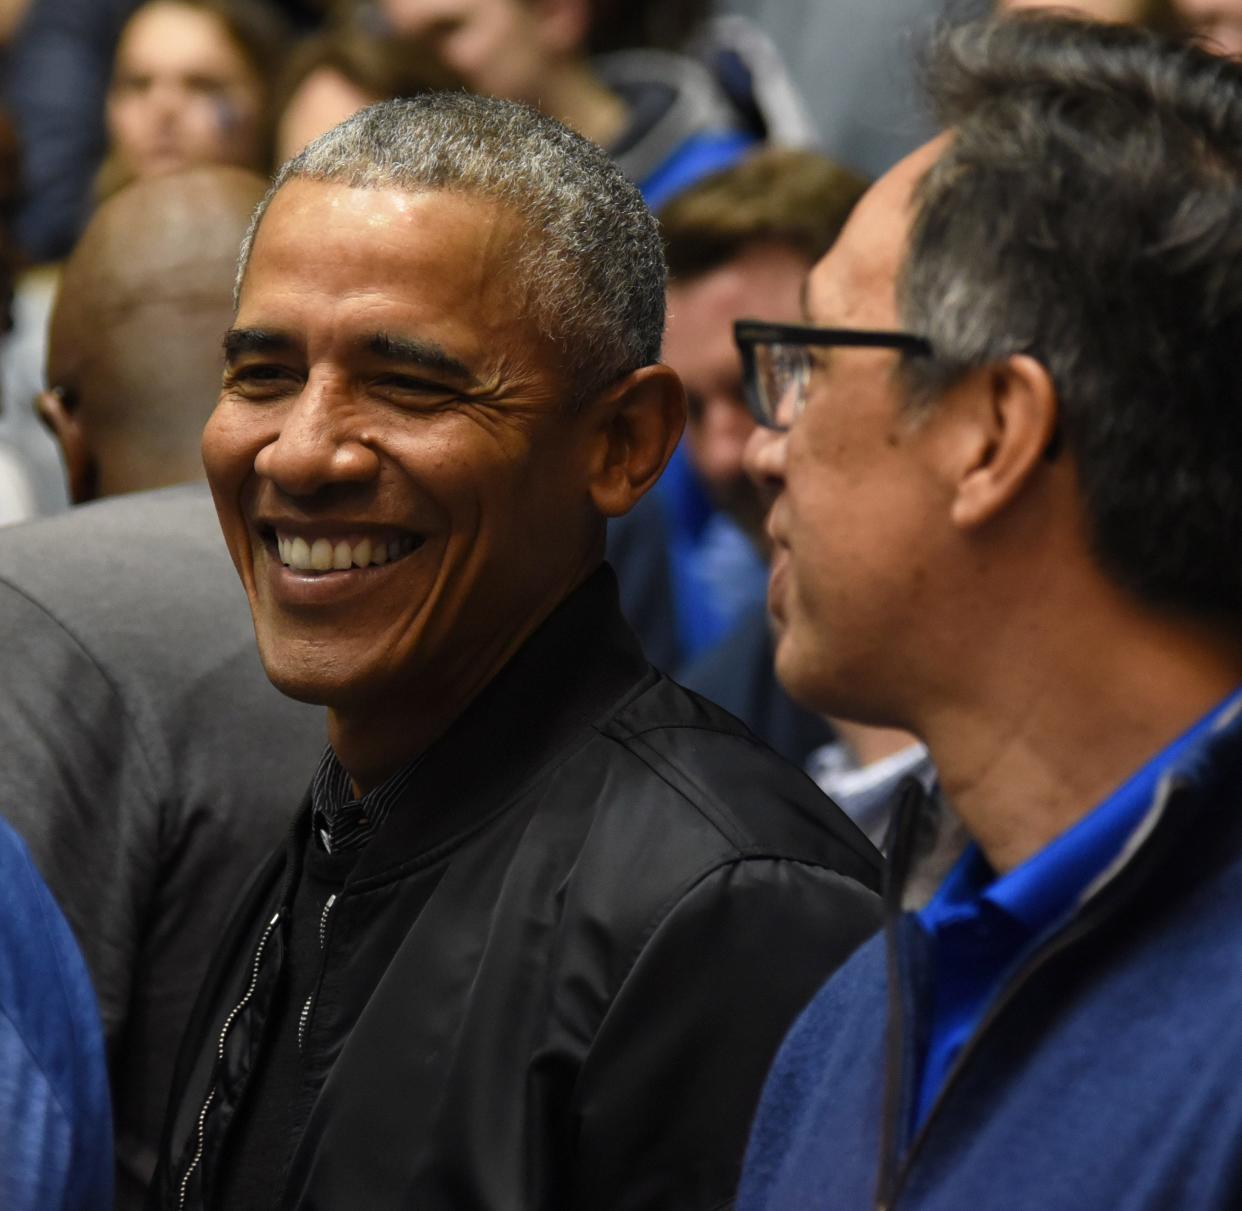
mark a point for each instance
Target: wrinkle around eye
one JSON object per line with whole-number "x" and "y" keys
{"x": 416, "y": 395}
{"x": 260, "y": 383}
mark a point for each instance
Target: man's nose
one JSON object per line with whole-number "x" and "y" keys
{"x": 321, "y": 442}
{"x": 764, "y": 460}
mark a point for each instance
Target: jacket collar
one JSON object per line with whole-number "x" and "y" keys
{"x": 582, "y": 660}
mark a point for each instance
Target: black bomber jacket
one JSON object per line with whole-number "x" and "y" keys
{"x": 556, "y": 976}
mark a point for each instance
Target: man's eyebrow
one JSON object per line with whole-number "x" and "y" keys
{"x": 410, "y": 350}
{"x": 239, "y": 341}
{"x": 403, "y": 349}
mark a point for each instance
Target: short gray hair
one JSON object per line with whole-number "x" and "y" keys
{"x": 591, "y": 266}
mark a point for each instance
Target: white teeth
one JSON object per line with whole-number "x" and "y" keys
{"x": 328, "y": 555}
{"x": 321, "y": 555}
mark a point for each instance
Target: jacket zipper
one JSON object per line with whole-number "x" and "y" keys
{"x": 911, "y": 800}
{"x": 201, "y": 1132}
{"x": 1078, "y": 928}
{"x": 1022, "y": 977}
{"x": 304, "y": 1016}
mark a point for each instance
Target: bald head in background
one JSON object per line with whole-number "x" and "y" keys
{"x": 134, "y": 353}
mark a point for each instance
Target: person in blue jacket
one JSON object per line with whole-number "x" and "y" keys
{"x": 55, "y": 1121}
{"x": 1006, "y": 518}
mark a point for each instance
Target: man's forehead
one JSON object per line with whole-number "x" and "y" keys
{"x": 389, "y": 235}
{"x": 364, "y": 267}
{"x": 301, "y": 207}
{"x": 855, "y": 283}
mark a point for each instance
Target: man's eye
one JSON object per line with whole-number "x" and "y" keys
{"x": 259, "y": 381}
{"x": 417, "y": 391}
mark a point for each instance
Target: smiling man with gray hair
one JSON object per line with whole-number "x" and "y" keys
{"x": 517, "y": 952}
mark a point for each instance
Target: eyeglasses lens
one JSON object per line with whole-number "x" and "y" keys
{"x": 781, "y": 373}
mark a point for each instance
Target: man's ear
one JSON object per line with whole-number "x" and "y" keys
{"x": 67, "y": 429}
{"x": 639, "y": 420}
{"x": 1005, "y": 426}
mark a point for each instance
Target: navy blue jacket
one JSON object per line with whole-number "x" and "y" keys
{"x": 1106, "y": 1074}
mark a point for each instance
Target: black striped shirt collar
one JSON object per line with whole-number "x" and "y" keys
{"x": 342, "y": 822}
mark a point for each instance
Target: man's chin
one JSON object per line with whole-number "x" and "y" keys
{"x": 306, "y": 672}
{"x": 305, "y": 687}
{"x": 301, "y": 689}
{"x": 794, "y": 669}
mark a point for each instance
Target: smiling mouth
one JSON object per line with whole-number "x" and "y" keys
{"x": 323, "y": 555}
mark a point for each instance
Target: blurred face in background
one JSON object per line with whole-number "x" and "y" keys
{"x": 498, "y": 47}
{"x": 1218, "y": 22}
{"x": 323, "y": 100}
{"x": 182, "y": 93}
{"x": 765, "y": 279}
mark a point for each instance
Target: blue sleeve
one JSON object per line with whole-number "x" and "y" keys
{"x": 55, "y": 1119}
{"x": 699, "y": 156}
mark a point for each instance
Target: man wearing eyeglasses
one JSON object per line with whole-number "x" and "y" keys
{"x": 1007, "y": 515}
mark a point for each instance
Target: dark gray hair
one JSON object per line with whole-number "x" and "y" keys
{"x": 1088, "y": 212}
{"x": 590, "y": 268}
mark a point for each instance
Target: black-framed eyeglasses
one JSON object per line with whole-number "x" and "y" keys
{"x": 776, "y": 362}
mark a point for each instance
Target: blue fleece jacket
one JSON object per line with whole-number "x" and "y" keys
{"x": 1105, "y": 1074}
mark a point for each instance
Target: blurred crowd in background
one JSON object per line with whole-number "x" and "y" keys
{"x": 103, "y": 94}
{"x": 98, "y": 94}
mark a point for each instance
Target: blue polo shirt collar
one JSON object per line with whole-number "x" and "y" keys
{"x": 1050, "y": 882}
{"x": 981, "y": 926}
